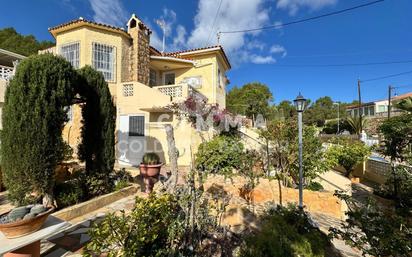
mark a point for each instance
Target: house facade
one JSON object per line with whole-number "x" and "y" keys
{"x": 142, "y": 81}
{"x": 377, "y": 108}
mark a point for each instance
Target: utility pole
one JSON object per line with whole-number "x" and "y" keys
{"x": 218, "y": 37}
{"x": 360, "y": 112}
{"x": 389, "y": 100}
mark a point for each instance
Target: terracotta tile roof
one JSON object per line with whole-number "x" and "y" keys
{"x": 106, "y": 26}
{"x": 154, "y": 51}
{"x": 192, "y": 50}
{"x": 400, "y": 97}
{"x": 82, "y": 20}
{"x": 177, "y": 53}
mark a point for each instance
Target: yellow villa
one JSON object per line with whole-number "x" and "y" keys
{"x": 142, "y": 81}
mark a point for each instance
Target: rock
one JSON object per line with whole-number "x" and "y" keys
{"x": 29, "y": 216}
{"x": 37, "y": 209}
{"x": 18, "y": 213}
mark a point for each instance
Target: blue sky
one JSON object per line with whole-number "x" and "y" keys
{"x": 379, "y": 33}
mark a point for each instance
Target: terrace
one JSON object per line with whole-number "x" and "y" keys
{"x": 7, "y": 63}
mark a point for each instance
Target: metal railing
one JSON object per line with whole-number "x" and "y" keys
{"x": 5, "y": 72}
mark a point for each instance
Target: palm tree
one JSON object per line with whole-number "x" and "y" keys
{"x": 405, "y": 104}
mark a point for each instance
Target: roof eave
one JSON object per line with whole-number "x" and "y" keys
{"x": 214, "y": 49}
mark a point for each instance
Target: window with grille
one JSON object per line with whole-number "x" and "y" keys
{"x": 71, "y": 52}
{"x": 169, "y": 79}
{"x": 103, "y": 60}
{"x": 136, "y": 126}
{"x": 128, "y": 90}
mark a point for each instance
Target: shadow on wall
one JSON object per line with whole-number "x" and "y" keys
{"x": 131, "y": 148}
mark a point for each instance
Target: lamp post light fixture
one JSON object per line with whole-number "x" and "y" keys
{"x": 300, "y": 104}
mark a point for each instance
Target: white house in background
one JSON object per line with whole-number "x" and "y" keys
{"x": 377, "y": 108}
{"x": 8, "y": 61}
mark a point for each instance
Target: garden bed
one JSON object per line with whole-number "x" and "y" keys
{"x": 83, "y": 208}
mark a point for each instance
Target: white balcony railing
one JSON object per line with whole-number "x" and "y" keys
{"x": 181, "y": 90}
{"x": 171, "y": 90}
{"x": 5, "y": 72}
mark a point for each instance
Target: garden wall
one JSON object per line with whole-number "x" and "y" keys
{"x": 372, "y": 170}
{"x": 267, "y": 192}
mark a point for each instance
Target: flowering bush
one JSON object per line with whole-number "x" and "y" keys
{"x": 203, "y": 115}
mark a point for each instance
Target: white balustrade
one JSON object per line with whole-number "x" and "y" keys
{"x": 5, "y": 72}
{"x": 171, "y": 90}
{"x": 181, "y": 91}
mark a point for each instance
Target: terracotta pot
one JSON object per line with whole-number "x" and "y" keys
{"x": 150, "y": 173}
{"x": 150, "y": 170}
{"x": 24, "y": 227}
{"x": 355, "y": 180}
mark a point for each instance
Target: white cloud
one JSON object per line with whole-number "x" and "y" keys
{"x": 259, "y": 59}
{"x": 293, "y": 6}
{"x": 233, "y": 15}
{"x": 278, "y": 49}
{"x": 169, "y": 17}
{"x": 255, "y": 44}
{"x": 179, "y": 41}
{"x": 109, "y": 12}
{"x": 241, "y": 47}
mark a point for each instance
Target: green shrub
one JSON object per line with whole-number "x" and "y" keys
{"x": 121, "y": 184}
{"x": 98, "y": 184}
{"x": 69, "y": 193}
{"x": 315, "y": 186}
{"x": 349, "y": 154}
{"x": 374, "y": 229}
{"x": 402, "y": 178}
{"x": 33, "y": 117}
{"x": 220, "y": 155}
{"x": 153, "y": 228}
{"x": 331, "y": 127}
{"x": 285, "y": 232}
{"x": 151, "y": 159}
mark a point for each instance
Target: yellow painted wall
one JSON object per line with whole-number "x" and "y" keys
{"x": 206, "y": 67}
{"x": 187, "y": 139}
{"x": 87, "y": 36}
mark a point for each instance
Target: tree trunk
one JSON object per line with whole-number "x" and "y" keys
{"x": 48, "y": 200}
{"x": 173, "y": 155}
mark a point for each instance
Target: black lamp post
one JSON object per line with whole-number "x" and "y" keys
{"x": 300, "y": 104}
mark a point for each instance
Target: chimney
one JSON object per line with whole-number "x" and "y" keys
{"x": 140, "y": 50}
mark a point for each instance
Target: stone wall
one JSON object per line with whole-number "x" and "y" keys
{"x": 139, "y": 55}
{"x": 143, "y": 57}
{"x": 269, "y": 192}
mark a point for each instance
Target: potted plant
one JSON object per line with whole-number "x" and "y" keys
{"x": 150, "y": 170}
{"x": 24, "y": 220}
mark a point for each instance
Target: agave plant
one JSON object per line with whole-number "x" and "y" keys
{"x": 357, "y": 124}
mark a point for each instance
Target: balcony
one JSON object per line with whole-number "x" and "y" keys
{"x": 181, "y": 91}
{"x": 6, "y": 72}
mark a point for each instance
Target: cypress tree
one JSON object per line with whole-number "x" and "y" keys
{"x": 33, "y": 118}
{"x": 98, "y": 129}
